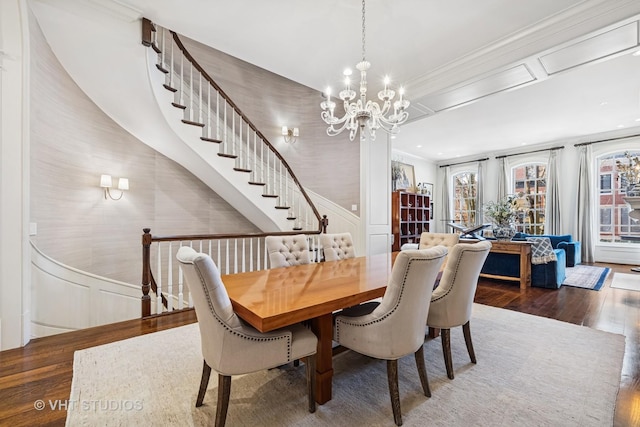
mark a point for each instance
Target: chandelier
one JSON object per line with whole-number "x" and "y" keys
{"x": 363, "y": 113}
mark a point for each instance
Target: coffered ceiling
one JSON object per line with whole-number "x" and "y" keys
{"x": 481, "y": 76}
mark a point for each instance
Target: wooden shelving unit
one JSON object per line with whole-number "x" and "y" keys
{"x": 410, "y": 214}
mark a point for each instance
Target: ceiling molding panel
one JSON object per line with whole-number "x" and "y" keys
{"x": 592, "y": 48}
{"x": 491, "y": 84}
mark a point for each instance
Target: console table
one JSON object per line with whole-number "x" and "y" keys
{"x": 523, "y": 249}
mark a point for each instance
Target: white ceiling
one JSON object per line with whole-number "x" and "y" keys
{"x": 430, "y": 47}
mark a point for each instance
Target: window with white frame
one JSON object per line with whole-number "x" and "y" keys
{"x": 614, "y": 223}
{"x": 530, "y": 187}
{"x": 605, "y": 183}
{"x": 465, "y": 187}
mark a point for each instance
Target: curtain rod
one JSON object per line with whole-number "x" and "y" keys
{"x": 606, "y": 140}
{"x": 462, "y": 163}
{"x": 530, "y": 152}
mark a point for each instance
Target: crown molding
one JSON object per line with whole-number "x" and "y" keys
{"x": 564, "y": 27}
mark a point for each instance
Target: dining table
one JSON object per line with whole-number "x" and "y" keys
{"x": 280, "y": 297}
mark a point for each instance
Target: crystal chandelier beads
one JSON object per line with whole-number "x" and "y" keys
{"x": 364, "y": 114}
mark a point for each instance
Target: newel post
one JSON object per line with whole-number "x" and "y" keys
{"x": 146, "y": 279}
{"x": 147, "y": 29}
{"x": 324, "y": 222}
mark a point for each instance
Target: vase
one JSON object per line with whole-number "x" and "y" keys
{"x": 504, "y": 231}
{"x": 633, "y": 190}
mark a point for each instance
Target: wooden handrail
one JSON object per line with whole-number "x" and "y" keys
{"x": 148, "y": 281}
{"x": 197, "y": 66}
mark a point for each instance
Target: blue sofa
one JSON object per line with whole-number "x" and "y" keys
{"x": 565, "y": 242}
{"x": 549, "y": 275}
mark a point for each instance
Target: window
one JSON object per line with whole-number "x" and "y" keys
{"x": 530, "y": 186}
{"x": 614, "y": 223}
{"x": 464, "y": 203}
{"x": 605, "y": 183}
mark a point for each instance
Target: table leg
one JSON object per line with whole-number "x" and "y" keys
{"x": 525, "y": 267}
{"x": 323, "y": 328}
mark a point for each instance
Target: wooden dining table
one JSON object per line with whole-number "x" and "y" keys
{"x": 280, "y": 297}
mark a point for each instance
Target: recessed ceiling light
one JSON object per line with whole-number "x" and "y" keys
{"x": 636, "y": 53}
{"x": 620, "y": 126}
{"x": 458, "y": 155}
{"x": 523, "y": 143}
{"x": 603, "y": 103}
{"x": 440, "y": 153}
{"x": 638, "y": 119}
{"x": 418, "y": 146}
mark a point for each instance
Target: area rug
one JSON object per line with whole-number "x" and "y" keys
{"x": 586, "y": 276}
{"x": 526, "y": 375}
{"x": 627, "y": 281}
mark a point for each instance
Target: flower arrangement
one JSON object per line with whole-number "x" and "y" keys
{"x": 629, "y": 169}
{"x": 502, "y": 212}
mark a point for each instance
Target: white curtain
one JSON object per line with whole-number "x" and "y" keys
{"x": 445, "y": 209}
{"x": 584, "y": 204}
{"x": 502, "y": 178}
{"x": 480, "y": 194}
{"x": 552, "y": 214}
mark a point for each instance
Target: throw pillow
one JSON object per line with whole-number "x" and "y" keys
{"x": 541, "y": 250}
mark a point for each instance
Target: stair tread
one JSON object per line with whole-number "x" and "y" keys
{"x": 269, "y": 195}
{"x": 167, "y": 87}
{"x": 291, "y": 218}
{"x": 161, "y": 68}
{"x": 204, "y": 138}
{"x": 191, "y": 122}
{"x": 257, "y": 183}
{"x": 182, "y": 107}
{"x": 230, "y": 156}
{"x": 156, "y": 48}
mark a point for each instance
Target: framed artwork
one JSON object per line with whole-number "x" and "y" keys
{"x": 426, "y": 188}
{"x": 402, "y": 177}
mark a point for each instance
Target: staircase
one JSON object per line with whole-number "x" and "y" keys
{"x": 200, "y": 113}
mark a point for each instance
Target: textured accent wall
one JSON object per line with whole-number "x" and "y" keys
{"x": 330, "y": 166}
{"x": 72, "y": 143}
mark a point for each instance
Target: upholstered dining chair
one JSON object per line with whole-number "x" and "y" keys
{"x": 430, "y": 240}
{"x": 337, "y": 246}
{"x": 285, "y": 251}
{"x": 394, "y": 327}
{"x": 452, "y": 300}
{"x": 229, "y": 345}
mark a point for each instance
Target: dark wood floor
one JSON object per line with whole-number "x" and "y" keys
{"x": 43, "y": 369}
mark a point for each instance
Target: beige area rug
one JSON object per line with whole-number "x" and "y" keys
{"x": 627, "y": 281}
{"x": 531, "y": 371}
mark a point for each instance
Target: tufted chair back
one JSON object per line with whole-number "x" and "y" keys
{"x": 337, "y": 246}
{"x": 285, "y": 251}
{"x": 448, "y": 240}
{"x": 429, "y": 240}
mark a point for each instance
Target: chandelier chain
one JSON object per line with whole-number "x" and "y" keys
{"x": 363, "y": 32}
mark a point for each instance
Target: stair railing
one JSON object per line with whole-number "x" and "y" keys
{"x": 207, "y": 106}
{"x": 232, "y": 253}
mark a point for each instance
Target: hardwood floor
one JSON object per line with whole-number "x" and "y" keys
{"x": 43, "y": 369}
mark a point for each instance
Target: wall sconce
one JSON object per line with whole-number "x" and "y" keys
{"x": 290, "y": 135}
{"x": 106, "y": 183}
